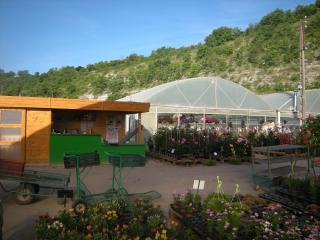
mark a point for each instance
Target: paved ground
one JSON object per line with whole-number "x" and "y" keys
{"x": 163, "y": 177}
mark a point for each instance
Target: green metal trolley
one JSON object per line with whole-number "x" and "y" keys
{"x": 84, "y": 197}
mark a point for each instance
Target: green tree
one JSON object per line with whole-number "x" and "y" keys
{"x": 222, "y": 35}
{"x": 274, "y": 18}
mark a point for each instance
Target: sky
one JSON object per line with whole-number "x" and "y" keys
{"x": 37, "y": 35}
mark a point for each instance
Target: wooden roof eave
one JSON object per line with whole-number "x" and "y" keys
{"x": 72, "y": 104}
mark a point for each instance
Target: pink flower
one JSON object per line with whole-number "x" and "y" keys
{"x": 226, "y": 225}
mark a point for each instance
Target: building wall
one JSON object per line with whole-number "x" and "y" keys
{"x": 38, "y": 130}
{"x": 148, "y": 120}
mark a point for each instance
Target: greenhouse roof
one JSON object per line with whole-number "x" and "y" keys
{"x": 285, "y": 101}
{"x": 204, "y": 92}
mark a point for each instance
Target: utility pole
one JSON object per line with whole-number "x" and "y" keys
{"x": 302, "y": 72}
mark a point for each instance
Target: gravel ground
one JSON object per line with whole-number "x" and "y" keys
{"x": 156, "y": 175}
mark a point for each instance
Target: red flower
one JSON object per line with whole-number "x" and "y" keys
{"x": 89, "y": 227}
{"x": 89, "y": 235}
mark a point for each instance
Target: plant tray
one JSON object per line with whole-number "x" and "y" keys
{"x": 84, "y": 159}
{"x": 127, "y": 160}
{"x": 289, "y": 203}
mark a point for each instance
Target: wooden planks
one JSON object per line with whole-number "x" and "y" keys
{"x": 139, "y": 133}
{"x": 100, "y": 124}
{"x": 38, "y": 129}
{"x": 23, "y": 102}
{"x": 61, "y": 103}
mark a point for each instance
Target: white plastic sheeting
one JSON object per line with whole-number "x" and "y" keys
{"x": 201, "y": 93}
{"x": 284, "y": 102}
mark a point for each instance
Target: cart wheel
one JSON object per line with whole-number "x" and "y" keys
{"x": 79, "y": 206}
{"x": 24, "y": 193}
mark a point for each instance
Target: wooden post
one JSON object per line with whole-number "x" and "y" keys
{"x": 139, "y": 134}
{"x": 302, "y": 72}
{"x": 23, "y": 135}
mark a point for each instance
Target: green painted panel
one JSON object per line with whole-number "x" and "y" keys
{"x": 126, "y": 149}
{"x": 59, "y": 144}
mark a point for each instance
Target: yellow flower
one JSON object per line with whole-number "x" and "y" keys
{"x": 164, "y": 236}
{"x": 71, "y": 210}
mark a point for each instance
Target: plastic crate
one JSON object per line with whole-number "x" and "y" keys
{"x": 127, "y": 160}
{"x": 85, "y": 159}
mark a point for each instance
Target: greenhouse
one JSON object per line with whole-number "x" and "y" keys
{"x": 202, "y": 101}
{"x": 287, "y": 104}
{"x": 212, "y": 101}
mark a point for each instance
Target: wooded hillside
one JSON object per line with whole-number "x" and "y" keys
{"x": 263, "y": 58}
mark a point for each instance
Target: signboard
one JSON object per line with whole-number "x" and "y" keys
{"x": 198, "y": 184}
{"x": 112, "y": 135}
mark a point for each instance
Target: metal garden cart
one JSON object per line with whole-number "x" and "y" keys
{"x": 32, "y": 182}
{"x": 83, "y": 195}
{"x": 119, "y": 161}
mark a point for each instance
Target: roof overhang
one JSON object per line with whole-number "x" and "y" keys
{"x": 72, "y": 104}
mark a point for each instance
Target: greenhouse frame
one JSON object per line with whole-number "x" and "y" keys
{"x": 213, "y": 101}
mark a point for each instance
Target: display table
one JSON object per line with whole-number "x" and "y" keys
{"x": 280, "y": 154}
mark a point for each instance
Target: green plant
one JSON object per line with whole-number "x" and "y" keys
{"x": 188, "y": 197}
{"x": 104, "y": 221}
{"x": 154, "y": 221}
{"x": 136, "y": 229}
{"x": 46, "y": 230}
{"x": 197, "y": 201}
{"x": 209, "y": 162}
{"x": 187, "y": 234}
{"x": 235, "y": 161}
{"x": 311, "y": 129}
{"x": 249, "y": 230}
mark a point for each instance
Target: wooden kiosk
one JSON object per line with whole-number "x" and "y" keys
{"x": 39, "y": 130}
